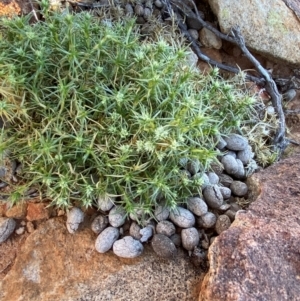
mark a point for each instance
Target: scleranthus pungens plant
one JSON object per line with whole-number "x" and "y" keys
{"x": 92, "y": 111}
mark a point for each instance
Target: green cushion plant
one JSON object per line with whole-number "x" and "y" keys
{"x": 90, "y": 109}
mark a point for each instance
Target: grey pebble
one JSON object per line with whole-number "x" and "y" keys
{"x": 99, "y": 223}
{"x": 223, "y": 223}
{"x": 182, "y": 217}
{"x": 231, "y": 153}
{"x": 166, "y": 228}
{"x": 226, "y": 192}
{"x": 158, "y": 3}
{"x": 236, "y": 142}
{"x": 7, "y": 227}
{"x": 225, "y": 180}
{"x": 207, "y": 220}
{"x": 245, "y": 155}
{"x": 161, "y": 213}
{"x": 105, "y": 203}
{"x": 74, "y": 217}
{"x": 239, "y": 188}
{"x": 136, "y": 215}
{"x": 128, "y": 10}
{"x": 230, "y": 164}
{"x": 134, "y": 231}
{"x": 193, "y": 166}
{"x": 176, "y": 238}
{"x": 221, "y": 143}
{"x": 240, "y": 173}
{"x": 106, "y": 239}
{"x": 189, "y": 238}
{"x": 197, "y": 206}
{"x": 163, "y": 246}
{"x": 213, "y": 196}
{"x": 127, "y": 247}
{"x": 231, "y": 214}
{"x": 203, "y": 177}
{"x": 117, "y": 216}
{"x": 194, "y": 33}
{"x": 147, "y": 13}
{"x": 213, "y": 178}
{"x": 146, "y": 233}
{"x": 139, "y": 10}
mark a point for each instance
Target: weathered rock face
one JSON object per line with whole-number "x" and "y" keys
{"x": 55, "y": 265}
{"x": 270, "y": 27}
{"x": 258, "y": 257}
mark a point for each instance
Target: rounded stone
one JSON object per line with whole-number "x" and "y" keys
{"x": 182, "y": 217}
{"x": 163, "y": 246}
{"x": 176, "y": 238}
{"x": 166, "y": 228}
{"x": 209, "y": 39}
{"x": 193, "y": 166}
{"x": 207, "y": 220}
{"x": 225, "y": 180}
{"x": 99, "y": 224}
{"x": 226, "y": 192}
{"x": 197, "y": 206}
{"x": 189, "y": 238}
{"x": 213, "y": 178}
{"x": 106, "y": 239}
{"x": 231, "y": 214}
{"x": 221, "y": 143}
{"x": 74, "y": 217}
{"x": 105, "y": 203}
{"x": 245, "y": 155}
{"x": 239, "y": 188}
{"x": 194, "y": 34}
{"x": 223, "y": 223}
{"x": 139, "y": 10}
{"x": 117, "y": 216}
{"x": 213, "y": 196}
{"x": 230, "y": 164}
{"x": 204, "y": 177}
{"x": 231, "y": 153}
{"x": 146, "y": 233}
{"x": 128, "y": 247}
{"x": 240, "y": 173}
{"x": 236, "y": 142}
{"x": 134, "y": 231}
{"x": 7, "y": 227}
{"x": 161, "y": 213}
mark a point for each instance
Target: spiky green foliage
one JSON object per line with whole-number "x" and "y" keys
{"x": 92, "y": 110}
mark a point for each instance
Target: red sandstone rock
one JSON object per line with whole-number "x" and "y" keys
{"x": 18, "y": 211}
{"x": 37, "y": 211}
{"x": 258, "y": 257}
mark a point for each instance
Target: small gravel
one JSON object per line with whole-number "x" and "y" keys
{"x": 236, "y": 142}
{"x": 197, "y": 206}
{"x": 117, "y": 216}
{"x": 239, "y": 188}
{"x": 163, "y": 246}
{"x": 7, "y": 227}
{"x": 99, "y": 224}
{"x": 106, "y": 239}
{"x": 127, "y": 247}
{"x": 182, "y": 217}
{"x": 190, "y": 238}
{"x": 166, "y": 228}
{"x": 207, "y": 220}
{"x": 213, "y": 196}
{"x": 223, "y": 223}
{"x": 74, "y": 217}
